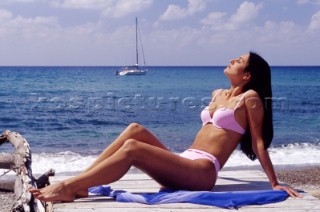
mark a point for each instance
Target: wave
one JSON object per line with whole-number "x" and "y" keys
{"x": 302, "y": 154}
{"x": 296, "y": 154}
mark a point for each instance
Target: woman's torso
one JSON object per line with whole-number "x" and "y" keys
{"x": 222, "y": 141}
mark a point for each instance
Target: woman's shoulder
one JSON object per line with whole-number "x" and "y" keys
{"x": 251, "y": 93}
{"x": 252, "y": 99}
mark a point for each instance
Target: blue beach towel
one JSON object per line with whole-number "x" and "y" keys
{"x": 232, "y": 199}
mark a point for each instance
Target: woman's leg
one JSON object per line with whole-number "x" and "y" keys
{"x": 133, "y": 131}
{"x": 165, "y": 167}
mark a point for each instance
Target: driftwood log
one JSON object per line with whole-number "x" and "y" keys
{"x": 20, "y": 163}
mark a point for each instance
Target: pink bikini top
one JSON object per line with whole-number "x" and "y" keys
{"x": 222, "y": 118}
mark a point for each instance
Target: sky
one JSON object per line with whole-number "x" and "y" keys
{"x": 175, "y": 32}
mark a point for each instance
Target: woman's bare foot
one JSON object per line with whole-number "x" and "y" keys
{"x": 53, "y": 193}
{"x": 82, "y": 194}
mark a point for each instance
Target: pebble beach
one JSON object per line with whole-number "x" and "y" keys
{"x": 7, "y": 200}
{"x": 306, "y": 179}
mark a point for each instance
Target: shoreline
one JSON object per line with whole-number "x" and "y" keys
{"x": 302, "y": 178}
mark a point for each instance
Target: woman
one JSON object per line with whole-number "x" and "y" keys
{"x": 241, "y": 115}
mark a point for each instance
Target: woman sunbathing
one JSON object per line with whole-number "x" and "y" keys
{"x": 241, "y": 115}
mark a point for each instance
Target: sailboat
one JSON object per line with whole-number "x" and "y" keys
{"x": 135, "y": 69}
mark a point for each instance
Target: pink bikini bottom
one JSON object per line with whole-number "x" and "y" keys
{"x": 194, "y": 154}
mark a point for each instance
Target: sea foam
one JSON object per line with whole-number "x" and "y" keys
{"x": 291, "y": 155}
{"x": 297, "y": 154}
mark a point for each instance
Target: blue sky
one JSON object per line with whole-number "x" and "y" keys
{"x": 175, "y": 32}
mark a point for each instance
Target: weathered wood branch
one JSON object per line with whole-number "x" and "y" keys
{"x": 22, "y": 167}
{"x": 7, "y": 161}
{"x": 7, "y": 185}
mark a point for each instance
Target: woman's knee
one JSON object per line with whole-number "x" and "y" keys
{"x": 131, "y": 148}
{"x": 135, "y": 128}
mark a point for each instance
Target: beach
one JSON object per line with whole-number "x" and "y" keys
{"x": 306, "y": 179}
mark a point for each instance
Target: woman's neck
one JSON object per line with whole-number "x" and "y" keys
{"x": 234, "y": 91}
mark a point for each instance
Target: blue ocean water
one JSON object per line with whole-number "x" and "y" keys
{"x": 75, "y": 112}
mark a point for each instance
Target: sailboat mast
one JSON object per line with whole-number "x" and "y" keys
{"x": 137, "y": 56}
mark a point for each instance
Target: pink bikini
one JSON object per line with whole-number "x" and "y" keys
{"x": 194, "y": 154}
{"x": 222, "y": 118}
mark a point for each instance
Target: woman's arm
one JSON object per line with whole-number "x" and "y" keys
{"x": 255, "y": 111}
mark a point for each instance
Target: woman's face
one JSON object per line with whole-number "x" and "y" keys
{"x": 237, "y": 66}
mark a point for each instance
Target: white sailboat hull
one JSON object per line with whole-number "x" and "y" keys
{"x": 132, "y": 72}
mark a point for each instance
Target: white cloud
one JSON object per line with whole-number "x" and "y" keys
{"x": 316, "y": 2}
{"x": 303, "y": 1}
{"x": 214, "y": 20}
{"x": 174, "y": 12}
{"x": 5, "y": 15}
{"x": 37, "y": 21}
{"x": 83, "y": 4}
{"x": 174, "y": 37}
{"x": 196, "y": 6}
{"x": 315, "y": 21}
{"x": 124, "y": 7}
{"x": 19, "y": 1}
{"x": 285, "y": 29}
{"x": 42, "y": 40}
{"x": 245, "y": 13}
{"x": 20, "y": 27}
{"x": 109, "y": 8}
{"x": 240, "y": 32}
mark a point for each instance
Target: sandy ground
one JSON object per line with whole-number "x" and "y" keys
{"x": 306, "y": 179}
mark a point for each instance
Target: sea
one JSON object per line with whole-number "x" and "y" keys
{"x": 69, "y": 115}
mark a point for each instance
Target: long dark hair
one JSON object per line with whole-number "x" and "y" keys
{"x": 260, "y": 82}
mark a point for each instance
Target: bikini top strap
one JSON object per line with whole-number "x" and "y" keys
{"x": 217, "y": 92}
{"x": 241, "y": 100}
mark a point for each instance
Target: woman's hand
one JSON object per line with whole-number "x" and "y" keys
{"x": 289, "y": 190}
